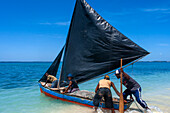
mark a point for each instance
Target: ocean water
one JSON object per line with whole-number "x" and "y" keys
{"x": 19, "y": 90}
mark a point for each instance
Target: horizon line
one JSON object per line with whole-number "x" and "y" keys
{"x": 62, "y": 61}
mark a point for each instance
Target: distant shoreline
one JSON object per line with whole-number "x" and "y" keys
{"x": 52, "y": 61}
{"x": 26, "y": 61}
{"x": 153, "y": 61}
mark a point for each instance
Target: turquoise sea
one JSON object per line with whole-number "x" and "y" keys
{"x": 19, "y": 90}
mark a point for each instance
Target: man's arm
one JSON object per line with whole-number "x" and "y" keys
{"x": 45, "y": 83}
{"x": 125, "y": 74}
{"x": 117, "y": 92}
{"x": 68, "y": 87}
{"x": 97, "y": 88}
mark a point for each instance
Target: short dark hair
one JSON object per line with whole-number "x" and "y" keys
{"x": 106, "y": 78}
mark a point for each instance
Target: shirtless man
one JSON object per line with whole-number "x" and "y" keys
{"x": 52, "y": 79}
{"x": 103, "y": 90}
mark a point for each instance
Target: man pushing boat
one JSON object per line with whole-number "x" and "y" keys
{"x": 103, "y": 90}
{"x": 132, "y": 86}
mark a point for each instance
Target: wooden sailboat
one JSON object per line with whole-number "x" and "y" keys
{"x": 80, "y": 100}
{"x": 93, "y": 48}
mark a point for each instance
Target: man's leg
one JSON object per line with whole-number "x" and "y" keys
{"x": 113, "y": 110}
{"x": 49, "y": 85}
{"x": 126, "y": 93}
{"x": 54, "y": 84}
{"x": 138, "y": 97}
{"x": 108, "y": 100}
{"x": 97, "y": 99}
{"x": 109, "y": 104}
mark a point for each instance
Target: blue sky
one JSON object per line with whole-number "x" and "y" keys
{"x": 36, "y": 30}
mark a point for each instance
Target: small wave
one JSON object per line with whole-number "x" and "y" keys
{"x": 155, "y": 109}
{"x": 133, "y": 111}
{"x": 99, "y": 110}
{"x": 168, "y": 88}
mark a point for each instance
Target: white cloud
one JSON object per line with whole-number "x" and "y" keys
{"x": 46, "y": 23}
{"x": 57, "y": 23}
{"x": 156, "y": 9}
{"x": 163, "y": 44}
{"x": 62, "y": 23}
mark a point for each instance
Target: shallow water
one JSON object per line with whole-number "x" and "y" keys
{"x": 19, "y": 91}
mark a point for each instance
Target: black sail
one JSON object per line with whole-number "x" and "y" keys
{"x": 95, "y": 47}
{"x": 54, "y": 67}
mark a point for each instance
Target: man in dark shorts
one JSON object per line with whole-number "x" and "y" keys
{"x": 132, "y": 88}
{"x": 103, "y": 90}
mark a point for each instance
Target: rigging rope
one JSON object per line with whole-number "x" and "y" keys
{"x": 132, "y": 70}
{"x": 134, "y": 100}
{"x": 126, "y": 65}
{"x": 115, "y": 70}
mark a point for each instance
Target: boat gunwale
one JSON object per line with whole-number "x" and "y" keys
{"x": 71, "y": 96}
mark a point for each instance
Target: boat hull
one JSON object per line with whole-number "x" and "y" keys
{"x": 77, "y": 100}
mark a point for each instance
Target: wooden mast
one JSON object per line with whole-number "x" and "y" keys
{"x": 58, "y": 86}
{"x": 121, "y": 102}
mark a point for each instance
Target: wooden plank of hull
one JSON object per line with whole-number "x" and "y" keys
{"x": 76, "y": 100}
